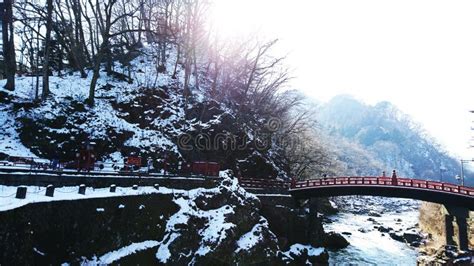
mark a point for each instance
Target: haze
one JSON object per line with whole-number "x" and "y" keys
{"x": 418, "y": 55}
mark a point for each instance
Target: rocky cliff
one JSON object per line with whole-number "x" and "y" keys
{"x": 218, "y": 225}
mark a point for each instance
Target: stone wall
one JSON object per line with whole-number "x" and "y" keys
{"x": 63, "y": 231}
{"x": 293, "y": 221}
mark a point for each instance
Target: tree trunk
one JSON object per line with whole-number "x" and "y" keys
{"x": 8, "y": 45}
{"x": 95, "y": 77}
{"x": 196, "y": 74}
{"x": 47, "y": 48}
{"x": 178, "y": 56}
{"x": 36, "y": 64}
{"x": 96, "y": 72}
{"x": 187, "y": 75}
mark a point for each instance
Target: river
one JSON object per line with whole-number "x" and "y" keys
{"x": 358, "y": 221}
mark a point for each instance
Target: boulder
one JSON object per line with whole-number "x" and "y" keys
{"x": 412, "y": 237}
{"x": 335, "y": 241}
{"x": 374, "y": 214}
{"x": 397, "y": 237}
{"x": 321, "y": 259}
{"x": 384, "y": 229}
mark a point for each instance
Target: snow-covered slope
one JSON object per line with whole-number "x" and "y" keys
{"x": 138, "y": 110}
{"x": 64, "y": 115}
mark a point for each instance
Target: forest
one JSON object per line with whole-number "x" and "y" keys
{"x": 101, "y": 38}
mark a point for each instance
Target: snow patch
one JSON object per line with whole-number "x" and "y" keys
{"x": 253, "y": 237}
{"x": 122, "y": 252}
{"x": 297, "y": 249}
{"x": 9, "y": 139}
{"x": 37, "y": 194}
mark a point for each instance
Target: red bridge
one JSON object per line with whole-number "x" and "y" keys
{"x": 432, "y": 191}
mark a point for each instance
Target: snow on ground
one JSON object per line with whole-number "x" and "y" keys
{"x": 37, "y": 194}
{"x": 71, "y": 84}
{"x": 115, "y": 157}
{"x": 102, "y": 116}
{"x": 215, "y": 231}
{"x": 116, "y": 255}
{"x": 253, "y": 237}
{"x": 297, "y": 249}
{"x": 234, "y": 186}
{"x": 9, "y": 140}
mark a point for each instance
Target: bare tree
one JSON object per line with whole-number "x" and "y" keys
{"x": 47, "y": 47}
{"x": 107, "y": 17}
{"x": 6, "y": 13}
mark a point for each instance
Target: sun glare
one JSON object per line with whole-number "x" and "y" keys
{"x": 236, "y": 18}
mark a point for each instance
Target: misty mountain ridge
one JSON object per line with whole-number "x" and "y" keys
{"x": 369, "y": 139}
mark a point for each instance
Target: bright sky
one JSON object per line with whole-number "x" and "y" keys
{"x": 417, "y": 54}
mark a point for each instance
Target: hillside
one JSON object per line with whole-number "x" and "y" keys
{"x": 147, "y": 115}
{"x": 370, "y": 139}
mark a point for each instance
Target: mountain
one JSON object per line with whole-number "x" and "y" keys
{"x": 381, "y": 137}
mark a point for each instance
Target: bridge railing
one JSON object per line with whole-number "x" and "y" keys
{"x": 263, "y": 183}
{"x": 384, "y": 181}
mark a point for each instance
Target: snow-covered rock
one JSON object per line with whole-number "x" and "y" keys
{"x": 306, "y": 254}
{"x": 220, "y": 225}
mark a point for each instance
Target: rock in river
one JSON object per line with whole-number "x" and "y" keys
{"x": 397, "y": 236}
{"x": 335, "y": 241}
{"x": 384, "y": 229}
{"x": 412, "y": 238}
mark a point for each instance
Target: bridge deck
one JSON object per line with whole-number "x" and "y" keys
{"x": 384, "y": 181}
{"x": 432, "y": 191}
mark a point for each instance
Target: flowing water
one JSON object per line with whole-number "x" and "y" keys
{"x": 369, "y": 246}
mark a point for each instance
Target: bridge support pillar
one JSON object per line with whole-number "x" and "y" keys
{"x": 315, "y": 230}
{"x": 463, "y": 239}
{"x": 461, "y": 215}
{"x": 449, "y": 229}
